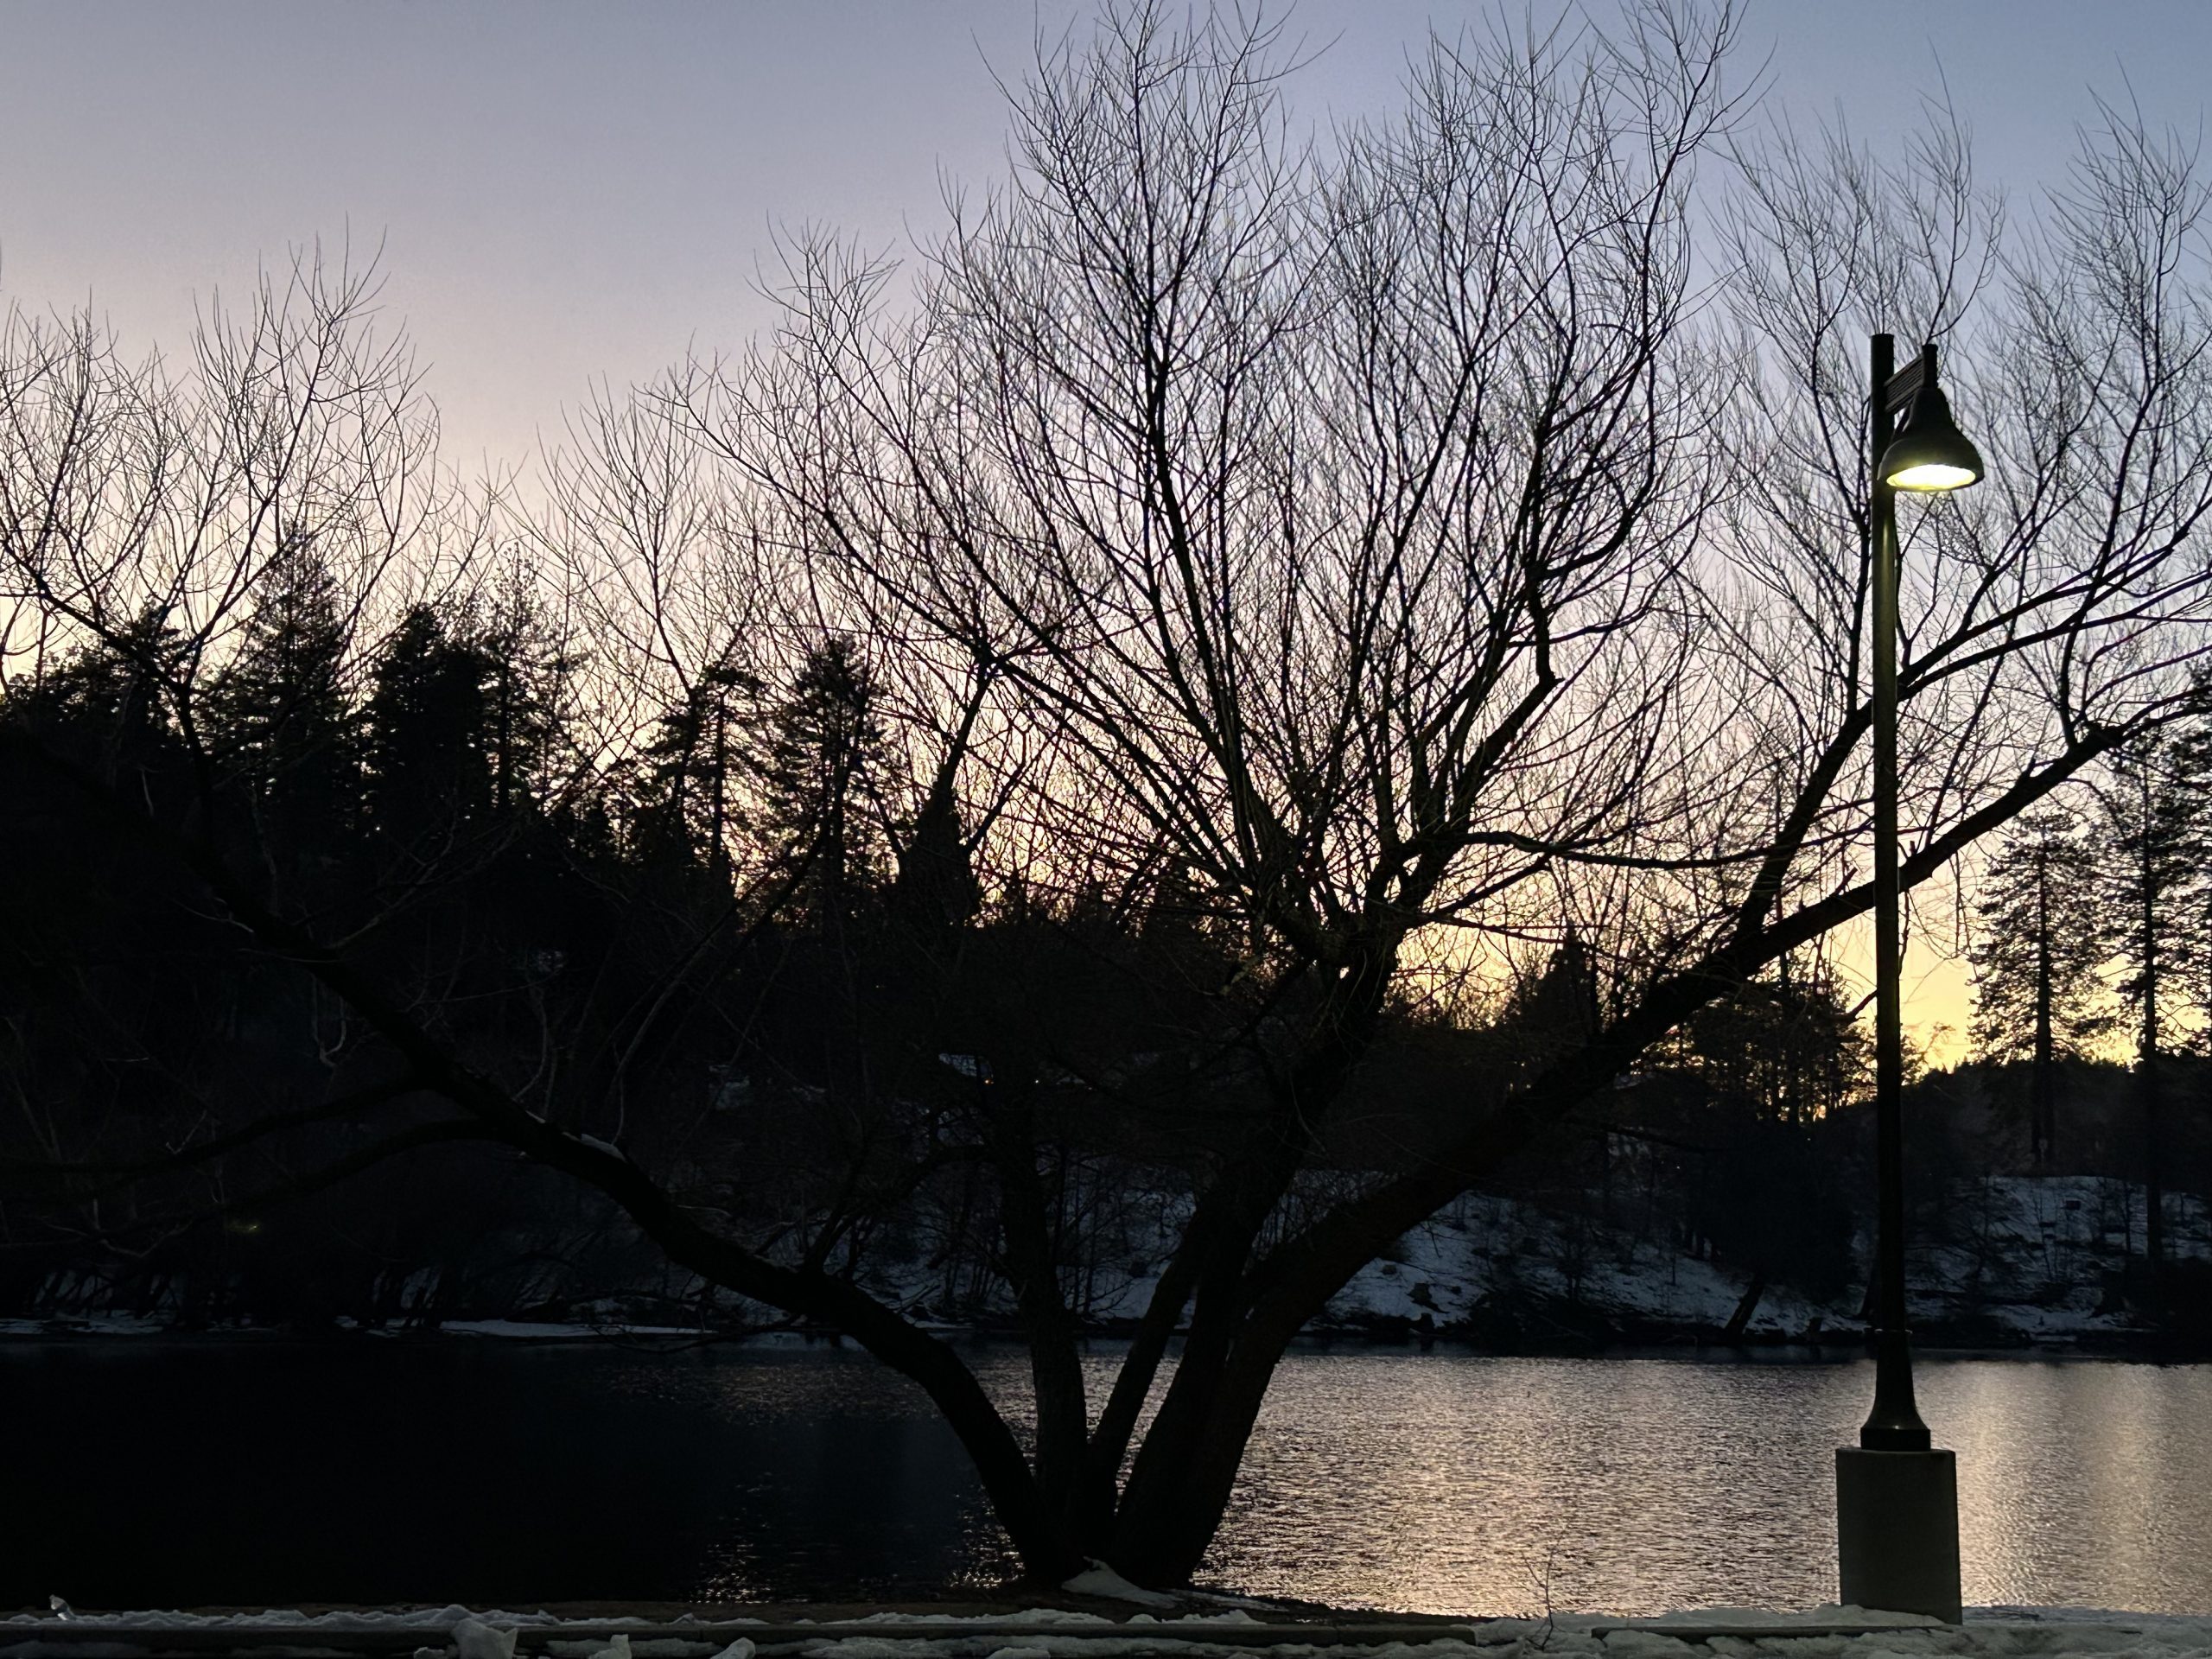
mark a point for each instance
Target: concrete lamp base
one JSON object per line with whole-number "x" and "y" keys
{"x": 1896, "y": 1517}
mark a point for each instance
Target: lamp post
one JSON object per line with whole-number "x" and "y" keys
{"x": 1897, "y": 1497}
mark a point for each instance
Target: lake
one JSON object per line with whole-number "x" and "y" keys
{"x": 152, "y": 1472}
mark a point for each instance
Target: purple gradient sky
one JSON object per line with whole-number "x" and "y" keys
{"x": 567, "y": 190}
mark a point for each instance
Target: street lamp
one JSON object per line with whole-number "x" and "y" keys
{"x": 1897, "y": 1497}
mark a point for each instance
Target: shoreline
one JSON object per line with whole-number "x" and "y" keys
{"x": 1067, "y": 1625}
{"x": 1833, "y": 1347}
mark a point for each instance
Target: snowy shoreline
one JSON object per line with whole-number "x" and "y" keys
{"x": 2026, "y": 1265}
{"x": 1054, "y": 1632}
{"x": 1834, "y": 1346}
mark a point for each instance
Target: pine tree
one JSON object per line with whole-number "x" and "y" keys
{"x": 821, "y": 812}
{"x": 2040, "y": 941}
{"x": 1787, "y": 1044}
{"x": 278, "y": 719}
{"x": 1550, "y": 1012}
{"x": 429, "y": 765}
{"x": 686, "y": 774}
{"x": 936, "y": 885}
{"x": 2154, "y": 815}
{"x": 110, "y": 705}
{"x": 2192, "y": 764}
{"x": 527, "y": 666}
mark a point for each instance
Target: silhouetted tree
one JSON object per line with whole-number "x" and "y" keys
{"x": 1788, "y": 1047}
{"x": 428, "y": 752}
{"x": 2040, "y": 938}
{"x": 1363, "y": 531}
{"x": 821, "y": 773}
{"x": 691, "y": 769}
{"x": 936, "y": 885}
{"x": 1556, "y": 1011}
{"x": 1373, "y": 530}
{"x": 2153, "y": 829}
{"x": 280, "y": 723}
{"x": 529, "y": 668}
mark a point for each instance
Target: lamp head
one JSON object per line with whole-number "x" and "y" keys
{"x": 1930, "y": 453}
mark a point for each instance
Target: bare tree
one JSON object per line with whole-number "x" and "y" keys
{"x": 1383, "y": 538}
{"x": 1387, "y": 549}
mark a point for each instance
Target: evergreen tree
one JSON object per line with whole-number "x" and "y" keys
{"x": 2153, "y": 835}
{"x": 109, "y": 705}
{"x": 821, "y": 774}
{"x": 2040, "y": 942}
{"x": 687, "y": 773}
{"x": 1554, "y": 1010}
{"x": 279, "y": 721}
{"x": 936, "y": 885}
{"x": 429, "y": 749}
{"x": 2192, "y": 766}
{"x": 1787, "y": 1046}
{"x": 527, "y": 667}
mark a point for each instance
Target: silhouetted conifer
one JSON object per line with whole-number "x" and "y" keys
{"x": 687, "y": 773}
{"x": 935, "y": 886}
{"x": 2153, "y": 830}
{"x": 109, "y": 707}
{"x": 279, "y": 718}
{"x": 527, "y": 668}
{"x": 1557, "y": 1009}
{"x": 821, "y": 811}
{"x": 429, "y": 765}
{"x": 1787, "y": 1046}
{"x": 2040, "y": 939}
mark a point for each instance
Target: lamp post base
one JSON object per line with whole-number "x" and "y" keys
{"x": 1897, "y": 1530}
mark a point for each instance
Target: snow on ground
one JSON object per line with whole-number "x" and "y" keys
{"x": 126, "y": 1324}
{"x": 2036, "y": 1257}
{"x": 103, "y": 1324}
{"x": 1497, "y": 1250}
{"x": 1054, "y": 1633}
{"x": 2032, "y": 1258}
{"x": 1100, "y": 1580}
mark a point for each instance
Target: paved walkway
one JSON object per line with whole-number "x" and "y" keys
{"x": 598, "y": 1631}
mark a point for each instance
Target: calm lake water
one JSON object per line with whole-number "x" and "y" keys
{"x": 149, "y": 1472}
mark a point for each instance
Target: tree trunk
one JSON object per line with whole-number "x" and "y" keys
{"x": 2043, "y": 1109}
{"x": 1033, "y": 1268}
{"x": 2154, "y": 1199}
{"x": 1746, "y": 1306}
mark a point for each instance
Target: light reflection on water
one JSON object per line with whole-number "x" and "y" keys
{"x": 1452, "y": 1483}
{"x": 505, "y": 1474}
{"x": 1458, "y": 1484}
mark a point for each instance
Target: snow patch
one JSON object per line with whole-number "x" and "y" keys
{"x": 1100, "y": 1580}
{"x": 474, "y": 1639}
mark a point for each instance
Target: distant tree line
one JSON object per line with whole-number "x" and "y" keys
{"x": 2094, "y": 933}
{"x": 741, "y": 916}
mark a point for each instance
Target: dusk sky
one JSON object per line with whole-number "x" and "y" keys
{"x": 570, "y": 190}
{"x": 566, "y": 191}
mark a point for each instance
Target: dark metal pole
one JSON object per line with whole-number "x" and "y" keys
{"x": 1897, "y": 1497}
{"x": 1894, "y": 1424}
